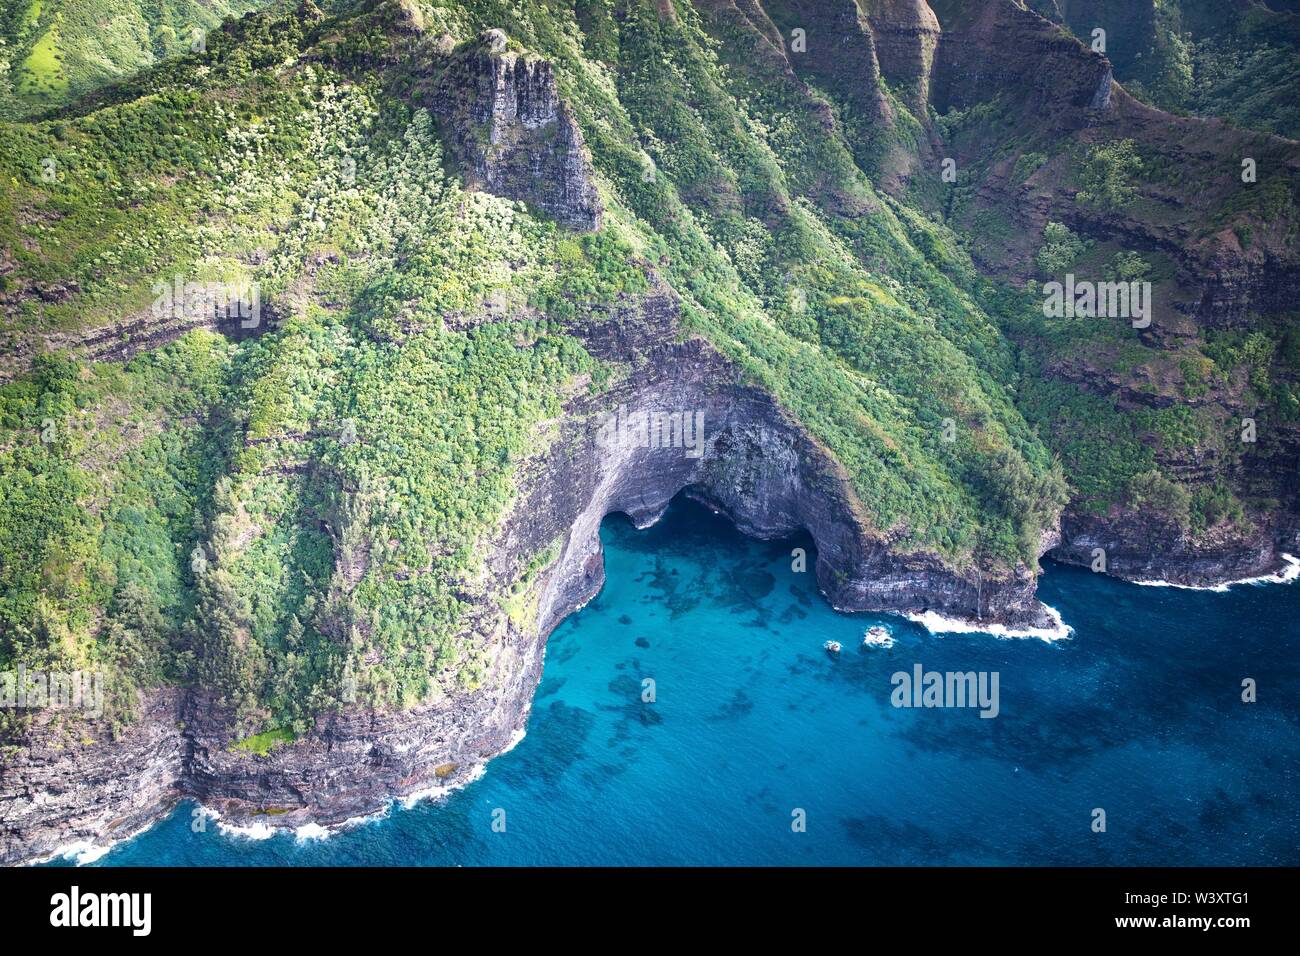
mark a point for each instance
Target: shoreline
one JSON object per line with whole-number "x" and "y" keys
{"x": 88, "y": 852}
{"x": 1288, "y": 573}
{"x": 263, "y": 830}
{"x": 938, "y": 624}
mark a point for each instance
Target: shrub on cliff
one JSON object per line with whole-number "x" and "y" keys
{"x": 1059, "y": 250}
{"x": 1105, "y": 176}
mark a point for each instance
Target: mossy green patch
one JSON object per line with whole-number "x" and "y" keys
{"x": 263, "y": 743}
{"x": 41, "y": 74}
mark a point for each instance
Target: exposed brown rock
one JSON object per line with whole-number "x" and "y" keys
{"x": 906, "y": 34}
{"x": 511, "y": 133}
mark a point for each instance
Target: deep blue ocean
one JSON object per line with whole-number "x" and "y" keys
{"x": 1138, "y": 714}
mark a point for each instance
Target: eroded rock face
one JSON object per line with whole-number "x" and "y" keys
{"x": 754, "y": 464}
{"x": 998, "y": 47}
{"x": 757, "y": 466}
{"x": 511, "y": 133}
{"x": 67, "y": 782}
{"x": 139, "y": 332}
{"x": 906, "y": 35}
{"x": 1140, "y": 547}
{"x": 838, "y": 50}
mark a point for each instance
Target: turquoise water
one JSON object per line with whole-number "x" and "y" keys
{"x": 1139, "y": 714}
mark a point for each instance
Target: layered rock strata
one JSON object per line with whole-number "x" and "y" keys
{"x": 511, "y": 133}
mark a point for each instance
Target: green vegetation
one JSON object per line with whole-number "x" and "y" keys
{"x": 1166, "y": 75}
{"x": 1210, "y": 59}
{"x": 41, "y": 74}
{"x": 1213, "y": 505}
{"x": 54, "y": 50}
{"x": 1127, "y": 267}
{"x": 1153, "y": 491}
{"x": 299, "y": 520}
{"x": 520, "y": 604}
{"x": 1249, "y": 78}
{"x": 263, "y": 743}
{"x": 1026, "y": 165}
{"x": 1270, "y": 356}
{"x": 1105, "y": 175}
{"x": 104, "y": 475}
{"x": 1059, "y": 250}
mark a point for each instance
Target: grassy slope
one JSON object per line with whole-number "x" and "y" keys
{"x": 391, "y": 250}
{"x": 106, "y": 477}
{"x": 51, "y": 50}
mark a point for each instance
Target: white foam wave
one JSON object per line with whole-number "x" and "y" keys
{"x": 257, "y": 830}
{"x": 936, "y": 623}
{"x": 1285, "y": 575}
{"x": 438, "y": 791}
{"x": 84, "y": 852}
{"x": 515, "y": 740}
{"x": 311, "y": 831}
{"x": 365, "y": 818}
